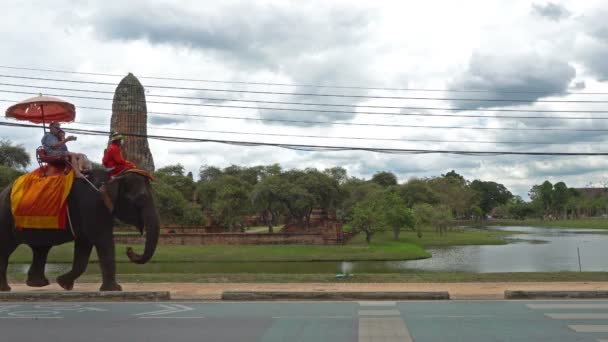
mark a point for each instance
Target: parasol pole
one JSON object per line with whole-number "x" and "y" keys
{"x": 43, "y": 124}
{"x": 42, "y": 112}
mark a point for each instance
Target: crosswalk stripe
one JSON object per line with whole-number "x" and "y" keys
{"x": 377, "y": 303}
{"x": 577, "y": 315}
{"x": 589, "y": 328}
{"x": 567, "y": 306}
{"x": 379, "y": 313}
{"x": 389, "y": 329}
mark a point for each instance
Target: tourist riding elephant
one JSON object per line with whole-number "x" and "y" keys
{"x": 127, "y": 197}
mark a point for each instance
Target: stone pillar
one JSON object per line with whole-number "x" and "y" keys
{"x": 130, "y": 116}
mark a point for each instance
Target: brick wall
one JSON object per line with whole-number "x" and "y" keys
{"x": 229, "y": 239}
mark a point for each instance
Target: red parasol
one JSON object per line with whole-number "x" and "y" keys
{"x": 42, "y": 109}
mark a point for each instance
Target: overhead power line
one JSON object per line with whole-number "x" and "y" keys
{"x": 298, "y": 85}
{"x": 307, "y": 104}
{"x": 357, "y": 123}
{"x": 296, "y": 109}
{"x": 338, "y": 137}
{"x": 316, "y": 94}
{"x": 303, "y": 147}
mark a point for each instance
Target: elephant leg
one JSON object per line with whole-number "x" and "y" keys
{"x": 35, "y": 276}
{"x": 5, "y": 252}
{"x": 107, "y": 263}
{"x": 82, "y": 252}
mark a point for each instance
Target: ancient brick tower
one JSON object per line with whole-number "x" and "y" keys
{"x": 130, "y": 116}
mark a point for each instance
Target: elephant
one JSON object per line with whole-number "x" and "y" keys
{"x": 92, "y": 209}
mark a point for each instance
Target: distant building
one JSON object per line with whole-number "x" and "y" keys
{"x": 130, "y": 116}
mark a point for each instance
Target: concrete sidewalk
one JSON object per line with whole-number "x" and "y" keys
{"x": 213, "y": 291}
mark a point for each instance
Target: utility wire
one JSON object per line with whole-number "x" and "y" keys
{"x": 336, "y": 137}
{"x": 316, "y": 94}
{"x": 355, "y": 123}
{"x": 298, "y": 85}
{"x": 302, "y": 147}
{"x": 307, "y": 104}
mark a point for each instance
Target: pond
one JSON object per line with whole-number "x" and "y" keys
{"x": 523, "y": 253}
{"x": 538, "y": 250}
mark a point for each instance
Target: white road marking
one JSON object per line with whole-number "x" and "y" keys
{"x": 577, "y": 315}
{"x": 7, "y": 307}
{"x": 378, "y": 303}
{"x": 458, "y": 316}
{"x": 567, "y": 306}
{"x": 389, "y": 329}
{"x": 379, "y": 313}
{"x": 31, "y": 317}
{"x": 168, "y": 309}
{"x": 309, "y": 317}
{"x": 181, "y": 317}
{"x": 589, "y": 328}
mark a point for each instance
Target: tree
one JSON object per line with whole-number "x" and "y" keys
{"x": 13, "y": 156}
{"x": 397, "y": 215}
{"x": 454, "y": 194}
{"x": 309, "y": 189}
{"x": 491, "y": 195}
{"x": 174, "y": 176}
{"x": 439, "y": 217}
{"x": 338, "y": 173}
{"x": 542, "y": 194}
{"x": 173, "y": 207}
{"x": 384, "y": 179}
{"x": 368, "y": 217}
{"x": 417, "y": 191}
{"x": 227, "y": 197}
{"x": 8, "y": 175}
{"x": 519, "y": 209}
{"x": 457, "y": 177}
{"x": 232, "y": 201}
{"x": 355, "y": 191}
{"x": 266, "y": 197}
{"x": 559, "y": 198}
{"x": 209, "y": 173}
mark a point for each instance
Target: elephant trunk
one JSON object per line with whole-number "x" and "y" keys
{"x": 152, "y": 228}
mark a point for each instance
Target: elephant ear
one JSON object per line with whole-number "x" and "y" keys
{"x": 109, "y": 194}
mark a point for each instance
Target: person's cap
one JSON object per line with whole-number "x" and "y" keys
{"x": 116, "y": 136}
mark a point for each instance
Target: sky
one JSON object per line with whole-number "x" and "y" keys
{"x": 529, "y": 55}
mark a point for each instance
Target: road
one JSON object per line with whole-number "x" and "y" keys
{"x": 306, "y": 321}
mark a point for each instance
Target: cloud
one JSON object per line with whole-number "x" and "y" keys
{"x": 307, "y": 43}
{"x": 165, "y": 120}
{"x": 551, "y": 11}
{"x": 533, "y": 75}
{"x": 259, "y": 36}
{"x": 594, "y": 46}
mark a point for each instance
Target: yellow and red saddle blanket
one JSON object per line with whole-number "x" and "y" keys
{"x": 39, "y": 201}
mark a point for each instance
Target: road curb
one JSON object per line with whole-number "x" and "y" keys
{"x": 328, "y": 295}
{"x": 129, "y": 296}
{"x": 521, "y": 294}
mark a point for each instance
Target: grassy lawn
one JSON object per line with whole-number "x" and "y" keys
{"x": 577, "y": 223}
{"x": 223, "y": 263}
{"x": 383, "y": 247}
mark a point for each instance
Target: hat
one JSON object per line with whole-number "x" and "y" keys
{"x": 116, "y": 136}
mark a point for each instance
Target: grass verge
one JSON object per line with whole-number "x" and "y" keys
{"x": 410, "y": 277}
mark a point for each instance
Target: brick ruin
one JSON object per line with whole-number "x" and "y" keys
{"x": 130, "y": 116}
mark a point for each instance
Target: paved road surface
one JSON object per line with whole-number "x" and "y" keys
{"x": 306, "y": 321}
